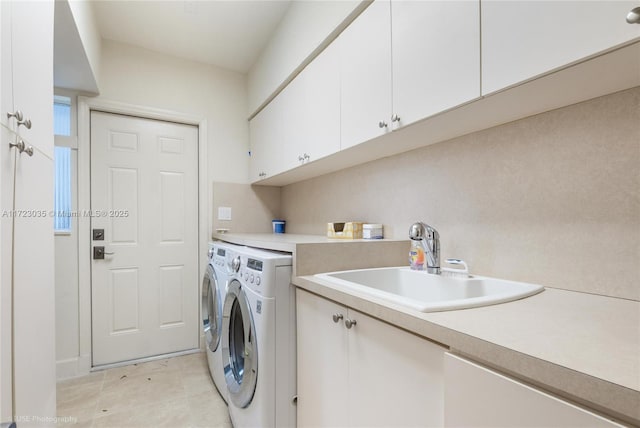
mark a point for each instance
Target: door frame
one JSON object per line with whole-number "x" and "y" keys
{"x": 205, "y": 205}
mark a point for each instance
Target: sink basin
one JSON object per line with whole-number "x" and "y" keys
{"x": 425, "y": 292}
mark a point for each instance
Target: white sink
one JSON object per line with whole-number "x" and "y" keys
{"x": 430, "y": 293}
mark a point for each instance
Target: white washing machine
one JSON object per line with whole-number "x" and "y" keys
{"x": 259, "y": 342}
{"x": 214, "y": 291}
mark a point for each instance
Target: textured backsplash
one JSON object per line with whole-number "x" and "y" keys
{"x": 552, "y": 199}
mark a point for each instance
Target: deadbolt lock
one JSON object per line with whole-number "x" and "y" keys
{"x": 98, "y": 234}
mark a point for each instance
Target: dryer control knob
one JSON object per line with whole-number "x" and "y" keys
{"x": 257, "y": 280}
{"x": 235, "y": 264}
{"x": 251, "y": 278}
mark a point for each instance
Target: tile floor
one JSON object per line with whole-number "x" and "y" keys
{"x": 174, "y": 392}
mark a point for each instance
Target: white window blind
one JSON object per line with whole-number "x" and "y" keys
{"x": 62, "y": 195}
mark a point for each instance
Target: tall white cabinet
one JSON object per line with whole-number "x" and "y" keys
{"x": 357, "y": 371}
{"x": 27, "y": 330}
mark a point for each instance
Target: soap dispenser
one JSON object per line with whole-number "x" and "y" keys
{"x": 417, "y": 257}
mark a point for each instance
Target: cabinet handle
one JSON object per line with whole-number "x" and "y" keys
{"x": 382, "y": 124}
{"x": 300, "y": 158}
{"x": 306, "y": 157}
{"x": 22, "y": 147}
{"x": 262, "y": 174}
{"x": 26, "y": 123}
{"x": 395, "y": 118}
{"x": 17, "y": 114}
{"x": 349, "y": 323}
{"x": 633, "y": 17}
{"x": 337, "y": 317}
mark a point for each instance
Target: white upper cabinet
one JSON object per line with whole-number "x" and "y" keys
{"x": 265, "y": 131}
{"x": 301, "y": 124}
{"x": 322, "y": 104}
{"x": 435, "y": 56}
{"x": 523, "y": 39}
{"x": 311, "y": 109}
{"x": 365, "y": 72}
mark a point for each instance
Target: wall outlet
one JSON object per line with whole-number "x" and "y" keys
{"x": 224, "y": 213}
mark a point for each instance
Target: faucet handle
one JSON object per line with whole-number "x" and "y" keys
{"x": 465, "y": 268}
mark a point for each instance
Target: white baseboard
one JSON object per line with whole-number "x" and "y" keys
{"x": 73, "y": 367}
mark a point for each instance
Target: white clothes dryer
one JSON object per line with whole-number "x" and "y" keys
{"x": 214, "y": 290}
{"x": 258, "y": 342}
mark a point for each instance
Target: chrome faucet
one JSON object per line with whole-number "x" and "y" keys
{"x": 423, "y": 232}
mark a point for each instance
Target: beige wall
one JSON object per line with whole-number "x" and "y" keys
{"x": 552, "y": 199}
{"x": 252, "y": 207}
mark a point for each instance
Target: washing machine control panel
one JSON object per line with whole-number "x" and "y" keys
{"x": 251, "y": 271}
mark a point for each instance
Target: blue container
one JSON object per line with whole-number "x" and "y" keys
{"x": 278, "y": 226}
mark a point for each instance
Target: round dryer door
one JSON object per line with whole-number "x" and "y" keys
{"x": 239, "y": 347}
{"x": 211, "y": 309}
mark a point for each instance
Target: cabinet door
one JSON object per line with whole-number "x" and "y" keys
{"x": 479, "y": 397}
{"x": 32, "y": 62}
{"x": 322, "y": 362}
{"x": 34, "y": 317}
{"x": 265, "y": 131}
{"x": 294, "y": 106}
{"x": 365, "y": 73}
{"x": 522, "y": 39}
{"x": 395, "y": 377}
{"x": 436, "y": 56}
{"x": 322, "y": 94}
{"x": 6, "y": 78}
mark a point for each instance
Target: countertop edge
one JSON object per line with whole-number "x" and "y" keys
{"x": 603, "y": 396}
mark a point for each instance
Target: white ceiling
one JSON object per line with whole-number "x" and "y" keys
{"x": 230, "y": 34}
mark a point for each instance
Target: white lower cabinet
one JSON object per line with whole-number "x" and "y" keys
{"x": 369, "y": 374}
{"x": 478, "y": 397}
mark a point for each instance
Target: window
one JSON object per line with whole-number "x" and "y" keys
{"x": 62, "y": 194}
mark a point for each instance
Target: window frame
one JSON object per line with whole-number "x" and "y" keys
{"x": 70, "y": 142}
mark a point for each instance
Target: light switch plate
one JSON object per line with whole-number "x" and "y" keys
{"x": 224, "y": 213}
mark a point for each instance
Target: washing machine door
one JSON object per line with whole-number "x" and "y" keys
{"x": 211, "y": 309}
{"x": 239, "y": 346}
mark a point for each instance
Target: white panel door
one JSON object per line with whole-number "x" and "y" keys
{"x": 144, "y": 187}
{"x": 436, "y": 56}
{"x": 522, "y": 39}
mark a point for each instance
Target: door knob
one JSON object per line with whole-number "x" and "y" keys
{"x": 99, "y": 253}
{"x": 349, "y": 323}
{"x": 633, "y": 17}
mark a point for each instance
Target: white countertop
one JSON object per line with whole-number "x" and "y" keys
{"x": 581, "y": 346}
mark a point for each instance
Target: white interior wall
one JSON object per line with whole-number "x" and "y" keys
{"x": 83, "y": 15}
{"x": 302, "y": 30}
